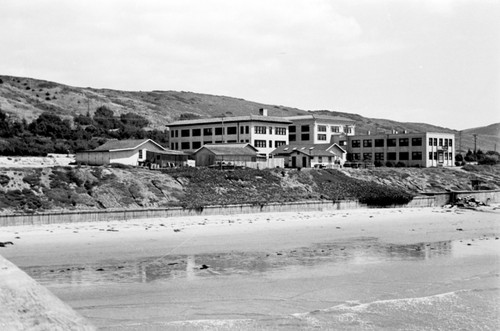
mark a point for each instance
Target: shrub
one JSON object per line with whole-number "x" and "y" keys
{"x": 389, "y": 164}
{"x": 400, "y": 164}
{"x": 378, "y": 163}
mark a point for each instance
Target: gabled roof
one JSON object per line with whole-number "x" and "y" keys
{"x": 124, "y": 145}
{"x": 232, "y": 119}
{"x": 229, "y": 149}
{"x": 308, "y": 149}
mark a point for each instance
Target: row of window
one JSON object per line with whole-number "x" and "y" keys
{"x": 440, "y": 142}
{"x": 321, "y": 128}
{"x": 391, "y": 142}
{"x": 186, "y": 145}
{"x": 231, "y": 130}
{"x": 403, "y": 156}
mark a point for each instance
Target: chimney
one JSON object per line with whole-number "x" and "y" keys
{"x": 263, "y": 112}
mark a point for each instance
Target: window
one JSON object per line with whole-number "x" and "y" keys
{"x": 207, "y": 132}
{"x": 403, "y": 141}
{"x": 260, "y": 129}
{"x": 321, "y": 136}
{"x": 207, "y": 142}
{"x": 259, "y": 143}
{"x": 445, "y": 142}
{"x": 416, "y": 141}
{"x": 185, "y": 133}
{"x": 329, "y": 159}
{"x": 140, "y": 154}
{"x": 367, "y": 143}
{"x": 430, "y": 141}
{"x": 320, "y": 159}
{"x": 172, "y": 133}
{"x": 367, "y": 156}
{"x": 391, "y": 143}
{"x": 430, "y": 154}
{"x": 292, "y": 137}
{"x": 321, "y": 128}
{"x": 304, "y": 136}
{"x": 304, "y": 128}
{"x": 196, "y": 132}
{"x": 196, "y": 144}
{"x": 280, "y": 131}
{"x": 270, "y": 143}
{"x": 348, "y": 129}
{"x": 176, "y": 146}
{"x": 270, "y": 130}
{"x": 404, "y": 156}
{"x": 379, "y": 156}
{"x": 342, "y": 143}
{"x": 356, "y": 156}
{"x": 416, "y": 155}
{"x": 379, "y": 142}
{"x": 279, "y": 143}
{"x": 172, "y": 146}
{"x": 355, "y": 143}
{"x": 219, "y": 131}
{"x": 435, "y": 141}
{"x": 185, "y": 145}
{"x": 391, "y": 156}
{"x": 232, "y": 130}
{"x": 450, "y": 155}
{"x": 450, "y": 142}
{"x": 335, "y": 128}
{"x": 242, "y": 129}
{"x": 440, "y": 141}
{"x": 176, "y": 133}
{"x": 292, "y": 128}
{"x": 247, "y": 129}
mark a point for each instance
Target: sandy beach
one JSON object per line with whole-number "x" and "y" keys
{"x": 350, "y": 269}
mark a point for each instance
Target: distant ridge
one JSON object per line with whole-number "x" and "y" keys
{"x": 27, "y": 98}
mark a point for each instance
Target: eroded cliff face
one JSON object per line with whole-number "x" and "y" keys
{"x": 90, "y": 188}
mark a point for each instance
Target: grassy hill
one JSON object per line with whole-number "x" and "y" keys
{"x": 27, "y": 98}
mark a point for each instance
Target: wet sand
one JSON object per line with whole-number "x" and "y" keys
{"x": 359, "y": 269}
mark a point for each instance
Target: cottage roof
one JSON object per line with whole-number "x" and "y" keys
{"x": 232, "y": 119}
{"x": 309, "y": 149}
{"x": 121, "y": 145}
{"x": 230, "y": 149}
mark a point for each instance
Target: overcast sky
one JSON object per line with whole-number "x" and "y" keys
{"x": 433, "y": 61}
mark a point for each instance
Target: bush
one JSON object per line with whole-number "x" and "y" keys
{"x": 400, "y": 164}
{"x": 389, "y": 164}
{"x": 378, "y": 163}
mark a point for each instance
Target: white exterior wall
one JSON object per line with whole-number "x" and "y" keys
{"x": 241, "y": 135}
{"x": 314, "y": 125}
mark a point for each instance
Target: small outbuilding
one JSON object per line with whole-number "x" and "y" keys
{"x": 235, "y": 154}
{"x": 129, "y": 152}
{"x": 311, "y": 155}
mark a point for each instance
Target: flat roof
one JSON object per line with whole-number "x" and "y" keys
{"x": 233, "y": 119}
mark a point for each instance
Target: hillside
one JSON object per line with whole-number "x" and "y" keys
{"x": 27, "y": 98}
{"x": 90, "y": 188}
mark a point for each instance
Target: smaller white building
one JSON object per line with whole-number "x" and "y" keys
{"x": 129, "y": 152}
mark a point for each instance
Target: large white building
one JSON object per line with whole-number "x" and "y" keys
{"x": 263, "y": 132}
{"x": 424, "y": 149}
{"x": 318, "y": 129}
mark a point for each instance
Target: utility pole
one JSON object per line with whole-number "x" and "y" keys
{"x": 475, "y": 143}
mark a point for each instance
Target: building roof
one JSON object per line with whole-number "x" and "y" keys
{"x": 232, "y": 119}
{"x": 229, "y": 149}
{"x": 308, "y": 149}
{"x": 123, "y": 145}
{"x": 320, "y": 117}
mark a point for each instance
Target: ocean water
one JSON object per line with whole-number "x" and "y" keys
{"x": 357, "y": 284}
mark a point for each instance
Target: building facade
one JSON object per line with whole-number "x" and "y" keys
{"x": 318, "y": 129}
{"x": 428, "y": 149}
{"x": 263, "y": 132}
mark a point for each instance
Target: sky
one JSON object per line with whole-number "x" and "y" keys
{"x": 431, "y": 61}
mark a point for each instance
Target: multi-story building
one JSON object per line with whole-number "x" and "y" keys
{"x": 263, "y": 132}
{"x": 318, "y": 129}
{"x": 427, "y": 149}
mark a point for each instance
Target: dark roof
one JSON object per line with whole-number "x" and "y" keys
{"x": 321, "y": 117}
{"x": 232, "y": 119}
{"x": 308, "y": 149}
{"x": 117, "y": 145}
{"x": 229, "y": 149}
